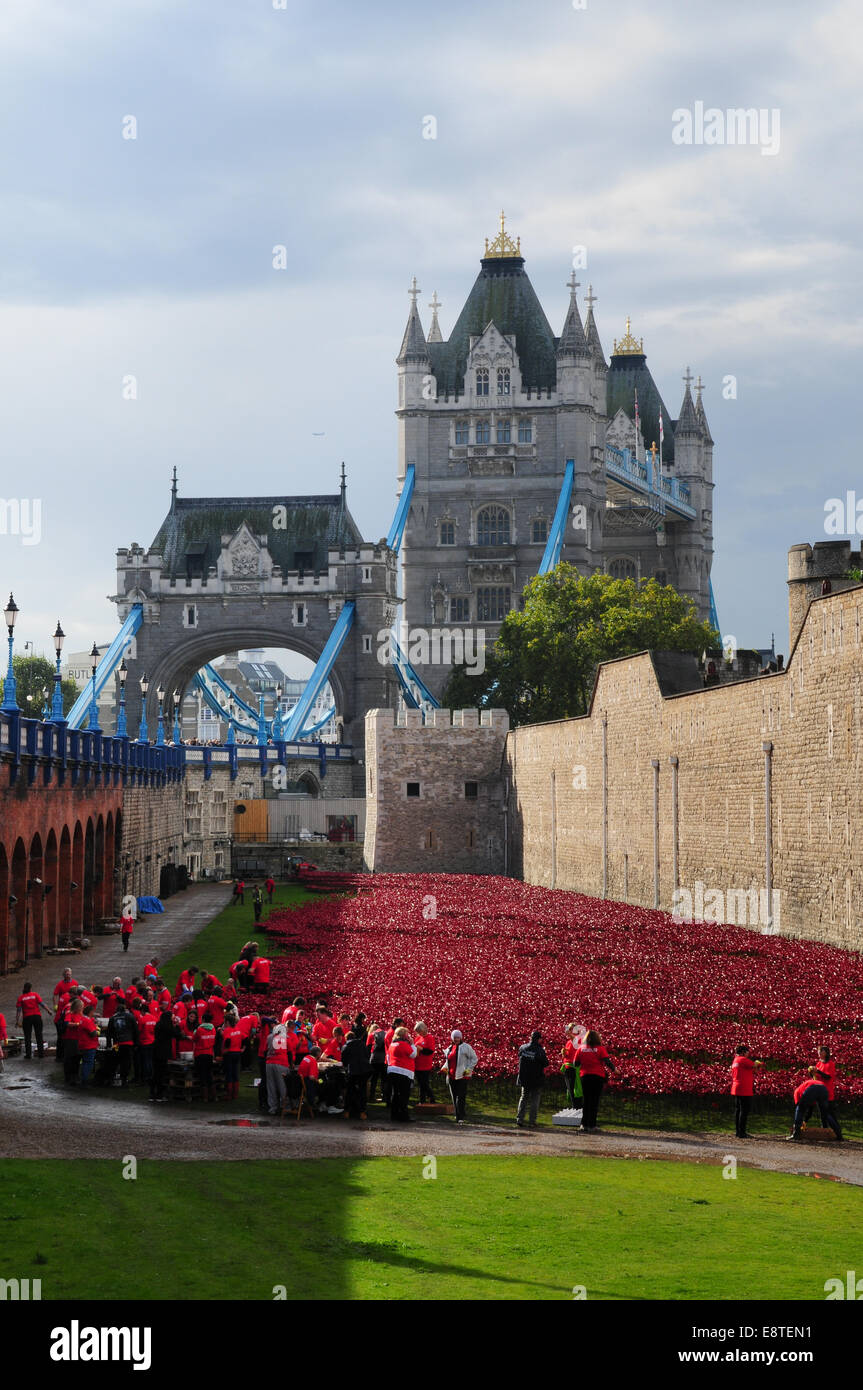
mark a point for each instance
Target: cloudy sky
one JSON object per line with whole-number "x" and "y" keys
{"x": 303, "y": 126}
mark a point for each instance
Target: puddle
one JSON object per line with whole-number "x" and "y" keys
{"x": 23, "y": 1087}
{"x": 242, "y": 1124}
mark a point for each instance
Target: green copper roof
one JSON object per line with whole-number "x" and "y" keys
{"x": 194, "y": 528}
{"x": 502, "y": 294}
{"x": 628, "y": 373}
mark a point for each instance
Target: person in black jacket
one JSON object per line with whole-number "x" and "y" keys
{"x": 532, "y": 1062}
{"x": 166, "y": 1030}
{"x": 123, "y": 1037}
{"x": 355, "y": 1060}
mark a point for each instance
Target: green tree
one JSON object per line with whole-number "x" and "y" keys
{"x": 33, "y": 674}
{"x": 544, "y": 661}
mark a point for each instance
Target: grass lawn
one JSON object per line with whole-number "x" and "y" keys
{"x": 487, "y": 1228}
{"x": 217, "y": 946}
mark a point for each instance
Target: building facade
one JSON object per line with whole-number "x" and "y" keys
{"x": 489, "y": 417}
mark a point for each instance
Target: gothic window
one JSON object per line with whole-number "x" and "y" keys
{"x": 492, "y": 604}
{"x": 482, "y": 381}
{"x": 503, "y": 381}
{"x": 447, "y": 533}
{"x": 504, "y": 432}
{"x": 492, "y": 526}
{"x": 539, "y": 531}
{"x": 622, "y": 568}
{"x": 483, "y": 432}
{"x": 461, "y": 432}
{"x": 525, "y": 431}
{"x": 459, "y": 610}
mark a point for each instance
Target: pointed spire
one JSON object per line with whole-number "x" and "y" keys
{"x": 414, "y": 342}
{"x": 435, "y": 335}
{"x": 572, "y": 340}
{"x": 590, "y": 330}
{"x": 174, "y": 489}
{"x": 699, "y": 412}
{"x": 687, "y": 420}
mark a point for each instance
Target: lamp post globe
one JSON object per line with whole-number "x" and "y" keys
{"x": 10, "y": 700}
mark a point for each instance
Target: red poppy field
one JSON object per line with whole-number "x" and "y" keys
{"x": 497, "y": 958}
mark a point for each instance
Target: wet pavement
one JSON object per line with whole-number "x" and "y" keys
{"x": 40, "y": 1118}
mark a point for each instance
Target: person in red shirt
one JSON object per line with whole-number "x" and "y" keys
{"x": 4, "y": 1038}
{"x": 88, "y": 1043}
{"x": 203, "y": 1048}
{"x": 64, "y": 986}
{"x": 27, "y": 1008}
{"x": 87, "y": 997}
{"x": 151, "y": 969}
{"x": 742, "y": 1078}
{"x": 324, "y": 1025}
{"x": 825, "y": 1072}
{"x": 72, "y": 1016}
{"x": 259, "y": 971}
{"x": 265, "y": 1027}
{"x": 186, "y": 981}
{"x": 594, "y": 1064}
{"x": 232, "y": 1047}
{"x": 574, "y": 1035}
{"x": 812, "y": 1092}
{"x": 111, "y": 996}
{"x": 270, "y": 886}
{"x": 146, "y": 1038}
{"x": 217, "y": 1004}
{"x": 401, "y": 1065}
{"x": 127, "y": 926}
{"x": 332, "y": 1048}
{"x": 307, "y": 1068}
{"x": 425, "y": 1046}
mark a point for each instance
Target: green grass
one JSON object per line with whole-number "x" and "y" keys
{"x": 486, "y": 1228}
{"x": 219, "y": 943}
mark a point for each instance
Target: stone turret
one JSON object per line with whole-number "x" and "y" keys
{"x": 808, "y": 568}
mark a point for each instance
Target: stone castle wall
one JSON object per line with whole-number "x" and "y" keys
{"x": 582, "y": 802}
{"x": 456, "y": 823}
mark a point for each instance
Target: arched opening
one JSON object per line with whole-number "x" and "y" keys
{"x": 88, "y": 886}
{"x": 35, "y": 899}
{"x": 4, "y": 910}
{"x": 64, "y": 878}
{"x": 17, "y": 904}
{"x": 176, "y": 672}
{"x": 51, "y": 877}
{"x": 623, "y": 568}
{"x": 110, "y": 871}
{"x": 100, "y": 885}
{"x": 76, "y": 884}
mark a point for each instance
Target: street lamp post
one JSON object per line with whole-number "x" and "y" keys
{"x": 160, "y": 733}
{"x": 142, "y": 732}
{"x": 232, "y": 737}
{"x": 57, "y": 706}
{"x": 122, "y": 674}
{"x": 94, "y": 708}
{"x": 177, "y": 734}
{"x": 46, "y": 708}
{"x": 10, "y": 703}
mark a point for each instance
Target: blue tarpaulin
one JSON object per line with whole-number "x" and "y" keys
{"x": 150, "y": 905}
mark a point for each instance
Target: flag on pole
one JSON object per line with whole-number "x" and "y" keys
{"x": 661, "y": 437}
{"x": 637, "y": 424}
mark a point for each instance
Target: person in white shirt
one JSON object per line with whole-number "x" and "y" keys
{"x": 460, "y": 1062}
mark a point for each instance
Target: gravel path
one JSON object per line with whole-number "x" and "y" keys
{"x": 40, "y": 1119}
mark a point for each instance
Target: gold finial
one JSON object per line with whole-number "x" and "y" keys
{"x": 627, "y": 344}
{"x": 503, "y": 244}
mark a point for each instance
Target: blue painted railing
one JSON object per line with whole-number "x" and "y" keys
{"x": 624, "y": 467}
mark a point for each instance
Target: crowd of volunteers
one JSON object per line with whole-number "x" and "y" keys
{"x": 309, "y": 1055}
